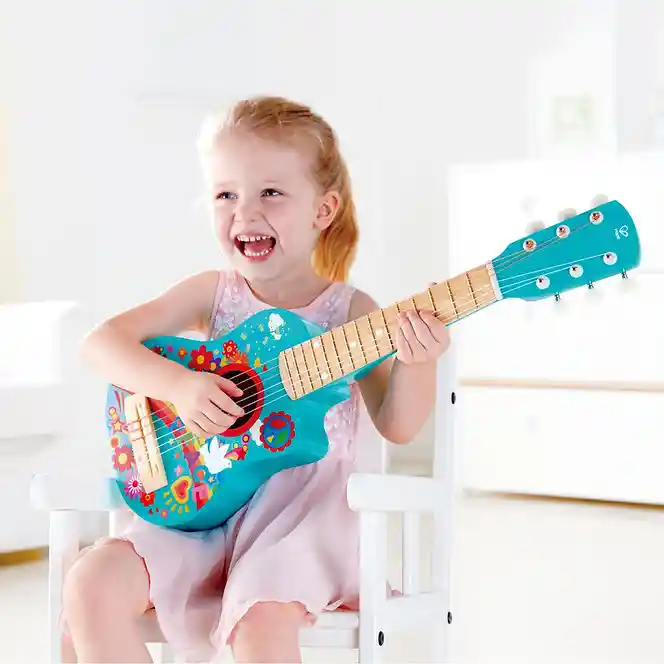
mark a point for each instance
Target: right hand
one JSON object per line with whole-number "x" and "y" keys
{"x": 203, "y": 402}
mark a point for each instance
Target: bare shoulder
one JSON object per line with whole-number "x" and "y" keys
{"x": 361, "y": 304}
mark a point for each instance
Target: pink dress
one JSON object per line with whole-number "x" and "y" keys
{"x": 296, "y": 541}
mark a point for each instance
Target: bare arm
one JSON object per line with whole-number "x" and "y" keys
{"x": 114, "y": 348}
{"x": 400, "y": 392}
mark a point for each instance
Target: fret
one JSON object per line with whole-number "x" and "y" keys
{"x": 345, "y": 354}
{"x": 451, "y": 295}
{"x": 332, "y": 355}
{"x": 422, "y": 302}
{"x": 322, "y": 365}
{"x": 462, "y": 296}
{"x": 297, "y": 389}
{"x": 480, "y": 280}
{"x": 356, "y": 350}
{"x": 303, "y": 369}
{"x": 367, "y": 339}
{"x": 433, "y": 303}
{"x": 470, "y": 289}
{"x": 290, "y": 374}
{"x": 382, "y": 332}
{"x": 312, "y": 364}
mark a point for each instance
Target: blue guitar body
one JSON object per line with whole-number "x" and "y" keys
{"x": 207, "y": 481}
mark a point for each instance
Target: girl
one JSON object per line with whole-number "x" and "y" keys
{"x": 284, "y": 216}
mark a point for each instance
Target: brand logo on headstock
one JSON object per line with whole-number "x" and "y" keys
{"x": 623, "y": 230}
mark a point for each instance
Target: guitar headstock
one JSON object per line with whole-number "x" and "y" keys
{"x": 594, "y": 245}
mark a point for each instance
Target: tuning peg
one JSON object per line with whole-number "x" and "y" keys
{"x": 567, "y": 213}
{"x": 559, "y": 305}
{"x": 534, "y": 226}
{"x": 593, "y": 295}
{"x": 627, "y": 285}
{"x": 599, "y": 199}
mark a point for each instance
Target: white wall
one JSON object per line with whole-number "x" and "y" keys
{"x": 105, "y": 99}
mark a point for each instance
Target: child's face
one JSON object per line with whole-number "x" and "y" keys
{"x": 268, "y": 210}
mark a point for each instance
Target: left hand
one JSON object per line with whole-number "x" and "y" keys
{"x": 420, "y": 337}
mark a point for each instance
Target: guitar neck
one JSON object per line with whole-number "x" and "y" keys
{"x": 348, "y": 348}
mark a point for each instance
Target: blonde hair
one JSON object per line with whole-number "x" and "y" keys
{"x": 283, "y": 119}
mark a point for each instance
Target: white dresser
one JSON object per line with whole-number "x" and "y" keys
{"x": 562, "y": 399}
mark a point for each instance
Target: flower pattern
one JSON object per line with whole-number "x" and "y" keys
{"x": 147, "y": 499}
{"x": 123, "y": 457}
{"x": 200, "y": 359}
{"x": 230, "y": 349}
{"x": 133, "y": 487}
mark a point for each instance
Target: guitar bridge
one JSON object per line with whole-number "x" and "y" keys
{"x": 144, "y": 443}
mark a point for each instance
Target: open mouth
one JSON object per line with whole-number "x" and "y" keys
{"x": 255, "y": 246}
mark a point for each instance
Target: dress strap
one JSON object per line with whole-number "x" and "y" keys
{"x": 335, "y": 307}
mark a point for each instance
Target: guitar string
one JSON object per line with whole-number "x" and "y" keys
{"x": 281, "y": 392}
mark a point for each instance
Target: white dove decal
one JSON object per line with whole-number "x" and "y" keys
{"x": 215, "y": 456}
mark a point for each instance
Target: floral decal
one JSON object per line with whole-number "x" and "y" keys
{"x": 147, "y": 499}
{"x": 230, "y": 350}
{"x": 133, "y": 487}
{"x": 200, "y": 359}
{"x": 123, "y": 457}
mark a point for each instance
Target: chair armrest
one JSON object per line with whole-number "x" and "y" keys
{"x": 80, "y": 492}
{"x": 393, "y": 493}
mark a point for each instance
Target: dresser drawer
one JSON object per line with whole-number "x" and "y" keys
{"x": 562, "y": 442}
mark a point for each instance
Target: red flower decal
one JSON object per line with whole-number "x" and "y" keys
{"x": 147, "y": 499}
{"x": 230, "y": 349}
{"x": 200, "y": 359}
{"x": 123, "y": 457}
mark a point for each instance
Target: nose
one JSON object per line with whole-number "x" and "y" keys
{"x": 246, "y": 211}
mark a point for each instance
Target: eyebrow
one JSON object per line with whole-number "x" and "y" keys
{"x": 221, "y": 185}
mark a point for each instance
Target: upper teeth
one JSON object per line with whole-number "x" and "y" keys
{"x": 253, "y": 238}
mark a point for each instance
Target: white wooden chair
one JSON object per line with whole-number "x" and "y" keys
{"x": 373, "y": 495}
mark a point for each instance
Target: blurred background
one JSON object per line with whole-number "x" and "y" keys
{"x": 461, "y": 121}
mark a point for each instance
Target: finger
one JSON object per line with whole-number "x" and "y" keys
{"x": 218, "y": 417}
{"x": 404, "y": 352}
{"x": 414, "y": 343}
{"x": 196, "y": 429}
{"x": 437, "y": 328}
{"x": 228, "y": 386}
{"x": 421, "y": 329}
{"x": 222, "y": 401}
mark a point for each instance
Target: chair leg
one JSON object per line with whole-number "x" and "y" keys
{"x": 166, "y": 654}
{"x": 373, "y": 593}
{"x": 63, "y": 549}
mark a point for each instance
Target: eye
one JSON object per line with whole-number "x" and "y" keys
{"x": 271, "y": 193}
{"x": 224, "y": 196}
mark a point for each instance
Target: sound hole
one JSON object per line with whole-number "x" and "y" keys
{"x": 252, "y": 397}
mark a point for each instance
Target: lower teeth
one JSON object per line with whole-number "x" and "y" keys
{"x": 255, "y": 254}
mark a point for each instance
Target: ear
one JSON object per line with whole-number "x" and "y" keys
{"x": 328, "y": 206}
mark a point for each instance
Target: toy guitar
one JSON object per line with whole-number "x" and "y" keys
{"x": 292, "y": 372}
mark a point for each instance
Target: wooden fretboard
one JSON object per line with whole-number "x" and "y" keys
{"x": 339, "y": 352}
